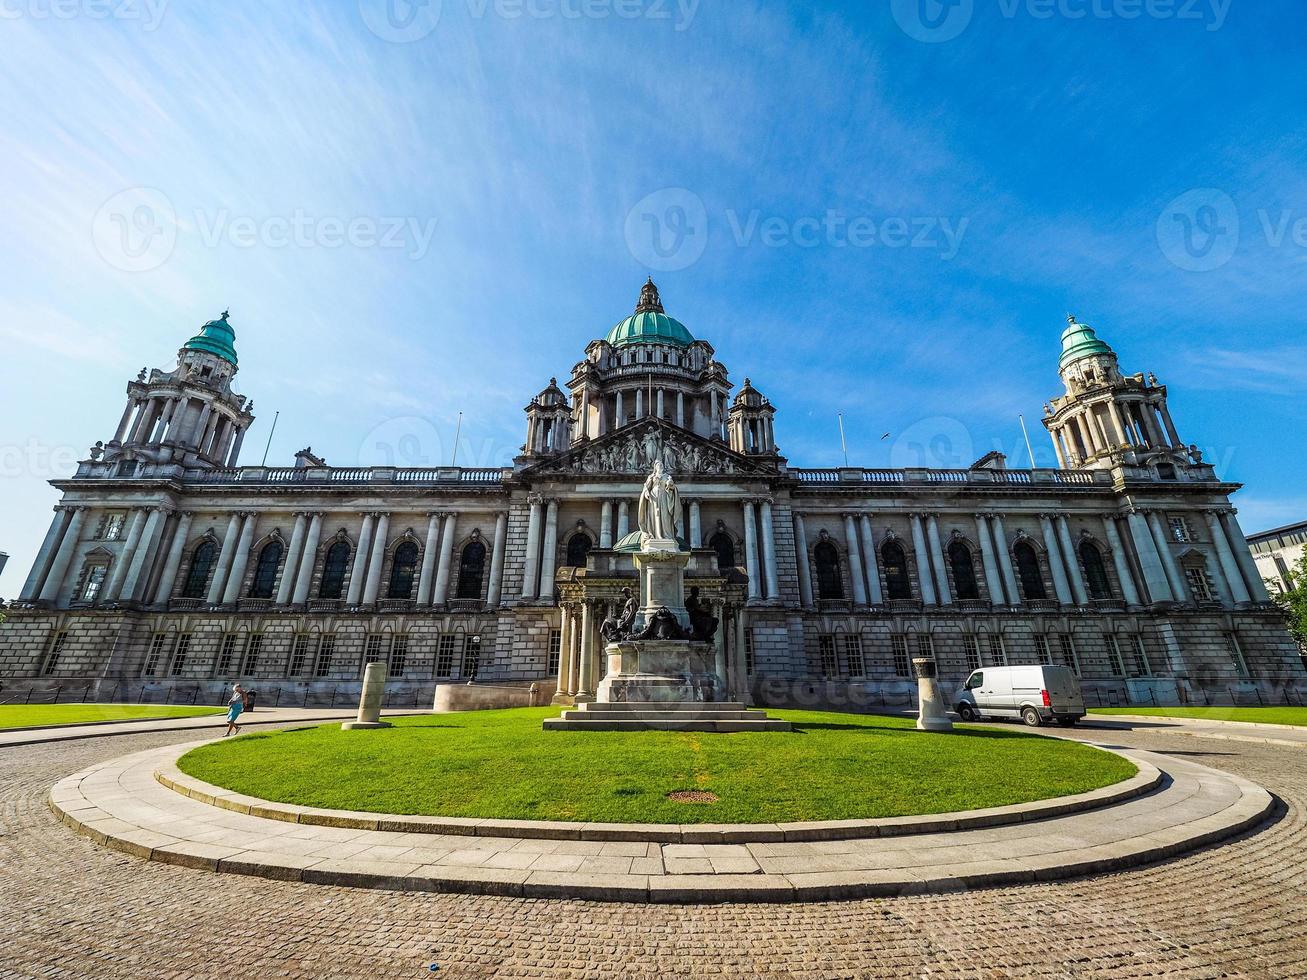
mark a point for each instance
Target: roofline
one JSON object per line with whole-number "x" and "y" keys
{"x": 1277, "y": 531}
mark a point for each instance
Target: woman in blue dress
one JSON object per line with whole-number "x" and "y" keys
{"x": 235, "y": 706}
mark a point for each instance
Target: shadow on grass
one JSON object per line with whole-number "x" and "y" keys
{"x": 989, "y": 733}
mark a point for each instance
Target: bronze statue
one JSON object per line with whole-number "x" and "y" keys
{"x": 615, "y": 629}
{"x": 703, "y": 624}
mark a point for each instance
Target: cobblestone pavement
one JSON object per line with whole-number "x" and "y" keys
{"x": 71, "y": 909}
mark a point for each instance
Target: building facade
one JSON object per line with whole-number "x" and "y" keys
{"x": 1277, "y": 553}
{"x": 169, "y": 564}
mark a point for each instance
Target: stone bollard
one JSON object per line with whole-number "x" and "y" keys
{"x": 374, "y": 690}
{"x": 932, "y": 716}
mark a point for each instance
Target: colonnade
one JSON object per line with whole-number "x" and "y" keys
{"x": 181, "y": 420}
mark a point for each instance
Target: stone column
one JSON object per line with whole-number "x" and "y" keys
{"x": 743, "y": 693}
{"x": 937, "y": 560}
{"x": 1170, "y": 424}
{"x": 169, "y": 578}
{"x": 623, "y": 519}
{"x": 584, "y": 429}
{"x": 1072, "y": 561}
{"x": 497, "y": 560}
{"x": 993, "y": 584}
{"x": 142, "y": 421}
{"x": 429, "y": 551}
{"x": 441, "y": 595}
{"x": 1119, "y": 560}
{"x": 1055, "y": 564}
{"x": 143, "y": 555}
{"x": 240, "y": 560}
{"x": 932, "y": 715}
{"x": 1229, "y": 564}
{"x": 639, "y": 403}
{"x": 923, "y": 561}
{"x": 620, "y": 411}
{"x": 549, "y": 560}
{"x": 564, "y": 654}
{"x": 199, "y": 425}
{"x": 801, "y": 562}
{"x": 234, "y": 456}
{"x": 374, "y": 693}
{"x": 696, "y": 528}
{"x": 721, "y": 690}
{"x": 574, "y": 655}
{"x": 113, "y": 588}
{"x": 680, "y": 409}
{"x": 659, "y": 411}
{"x": 225, "y": 557}
{"x": 359, "y": 571}
{"x": 377, "y": 561}
{"x": 1179, "y": 587}
{"x": 585, "y": 688}
{"x": 1159, "y": 589}
{"x": 1005, "y": 560}
{"x": 531, "y": 567}
{"x": 308, "y": 560}
{"x": 1057, "y": 449}
{"x": 856, "y": 575}
{"x": 121, "y": 432}
{"x": 870, "y": 562}
{"x": 1239, "y": 545}
{"x": 751, "y": 551}
{"x": 606, "y": 524}
{"x": 769, "y": 551}
{"x": 63, "y": 557}
{"x": 286, "y": 588}
{"x": 40, "y": 568}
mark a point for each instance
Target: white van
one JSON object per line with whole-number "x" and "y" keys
{"x": 1036, "y": 694}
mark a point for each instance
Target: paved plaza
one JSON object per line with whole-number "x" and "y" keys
{"x": 72, "y": 908}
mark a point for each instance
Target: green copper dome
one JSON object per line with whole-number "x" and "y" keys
{"x": 1079, "y": 340}
{"x": 215, "y": 337}
{"x": 649, "y": 324}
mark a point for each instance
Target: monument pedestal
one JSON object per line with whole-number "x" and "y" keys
{"x": 659, "y": 671}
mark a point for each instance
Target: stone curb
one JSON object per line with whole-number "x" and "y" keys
{"x": 55, "y": 729}
{"x": 1147, "y": 779}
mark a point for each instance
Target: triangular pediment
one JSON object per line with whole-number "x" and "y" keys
{"x": 631, "y": 451}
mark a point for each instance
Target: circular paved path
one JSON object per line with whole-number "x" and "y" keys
{"x": 70, "y": 908}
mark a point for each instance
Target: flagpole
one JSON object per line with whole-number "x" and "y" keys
{"x": 843, "y": 445}
{"x": 275, "y": 416}
{"x": 457, "y": 432}
{"x": 1029, "y": 448}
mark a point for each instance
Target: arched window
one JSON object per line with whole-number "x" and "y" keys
{"x": 577, "y": 548}
{"x": 202, "y": 562}
{"x": 402, "y": 571}
{"x": 829, "y": 585}
{"x": 898, "y": 584}
{"x": 722, "y": 544}
{"x": 333, "y": 570}
{"x": 471, "y": 570}
{"x": 265, "y": 572}
{"x": 964, "y": 572}
{"x": 1032, "y": 582}
{"x": 1095, "y": 571}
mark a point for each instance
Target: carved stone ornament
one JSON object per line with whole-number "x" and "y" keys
{"x": 634, "y": 450}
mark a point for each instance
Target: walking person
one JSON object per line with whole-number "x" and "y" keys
{"x": 234, "y": 708}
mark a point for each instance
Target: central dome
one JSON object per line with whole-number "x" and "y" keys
{"x": 215, "y": 337}
{"x": 649, "y": 324}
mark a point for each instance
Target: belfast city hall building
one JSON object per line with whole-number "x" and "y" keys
{"x": 169, "y": 566}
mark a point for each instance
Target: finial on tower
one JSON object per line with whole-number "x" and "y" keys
{"x": 225, "y": 314}
{"x": 649, "y": 300}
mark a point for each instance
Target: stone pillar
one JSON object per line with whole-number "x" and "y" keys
{"x": 659, "y": 411}
{"x": 142, "y": 421}
{"x": 1119, "y": 560}
{"x": 121, "y": 432}
{"x": 1055, "y": 563}
{"x": 225, "y": 557}
{"x": 1238, "y": 592}
{"x": 1179, "y": 587}
{"x": 41, "y": 567}
{"x": 721, "y": 691}
{"x": 429, "y": 551}
{"x": 751, "y": 552}
{"x": 993, "y": 584}
{"x": 639, "y": 403}
{"x": 801, "y": 562}
{"x": 114, "y": 587}
{"x": 374, "y": 692}
{"x": 441, "y": 595}
{"x": 1170, "y": 424}
{"x": 1159, "y": 589}
{"x": 696, "y": 528}
{"x": 304, "y": 579}
{"x": 173, "y": 563}
{"x": 234, "y": 456}
{"x": 143, "y": 555}
{"x": 620, "y": 411}
{"x": 680, "y": 409}
{"x": 239, "y": 560}
{"x": 937, "y": 560}
{"x": 63, "y": 557}
{"x": 606, "y": 524}
{"x": 1005, "y": 560}
{"x": 199, "y": 425}
{"x": 932, "y": 715}
{"x": 769, "y": 551}
{"x": 1239, "y": 545}
{"x": 377, "y": 561}
{"x": 359, "y": 571}
{"x": 856, "y": 575}
{"x": 585, "y": 688}
{"x": 286, "y": 588}
{"x": 923, "y": 561}
{"x": 531, "y": 567}
{"x": 871, "y": 563}
{"x": 1072, "y": 561}
{"x": 1057, "y": 449}
{"x": 564, "y": 654}
{"x": 743, "y": 693}
{"x": 497, "y": 560}
{"x": 549, "y": 560}
{"x": 623, "y": 519}
{"x": 574, "y": 654}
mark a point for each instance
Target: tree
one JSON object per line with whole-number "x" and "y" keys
{"x": 1294, "y": 601}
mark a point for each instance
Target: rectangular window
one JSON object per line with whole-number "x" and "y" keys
{"x": 1042, "y": 654}
{"x": 826, "y": 648}
{"x": 971, "y": 650}
{"x": 1180, "y": 529}
{"x": 1067, "y": 651}
{"x": 445, "y": 656}
{"x": 899, "y": 647}
{"x": 326, "y": 648}
{"x": 854, "y": 662}
{"x": 253, "y": 647}
{"x": 997, "y": 652}
{"x": 1140, "y": 666}
{"x": 94, "y": 582}
{"x": 1199, "y": 586}
{"x": 155, "y": 655}
{"x": 749, "y": 663}
{"x": 113, "y": 527}
{"x": 398, "y": 656}
{"x": 1114, "y": 659}
{"x": 925, "y": 647}
{"x": 372, "y": 650}
{"x": 555, "y": 651}
{"x": 299, "y": 653}
{"x": 226, "y": 654}
{"x": 179, "y": 653}
{"x": 56, "y": 650}
{"x": 471, "y": 656}
{"x": 1236, "y": 656}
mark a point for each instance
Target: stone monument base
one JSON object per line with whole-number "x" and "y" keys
{"x": 659, "y": 670}
{"x": 666, "y": 716}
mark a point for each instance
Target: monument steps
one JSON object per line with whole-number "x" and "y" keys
{"x": 666, "y": 716}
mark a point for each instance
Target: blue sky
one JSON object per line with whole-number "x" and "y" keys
{"x": 883, "y": 209}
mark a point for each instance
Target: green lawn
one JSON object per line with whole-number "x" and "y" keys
{"x": 31, "y": 715}
{"x": 1262, "y": 716}
{"x": 501, "y": 764}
